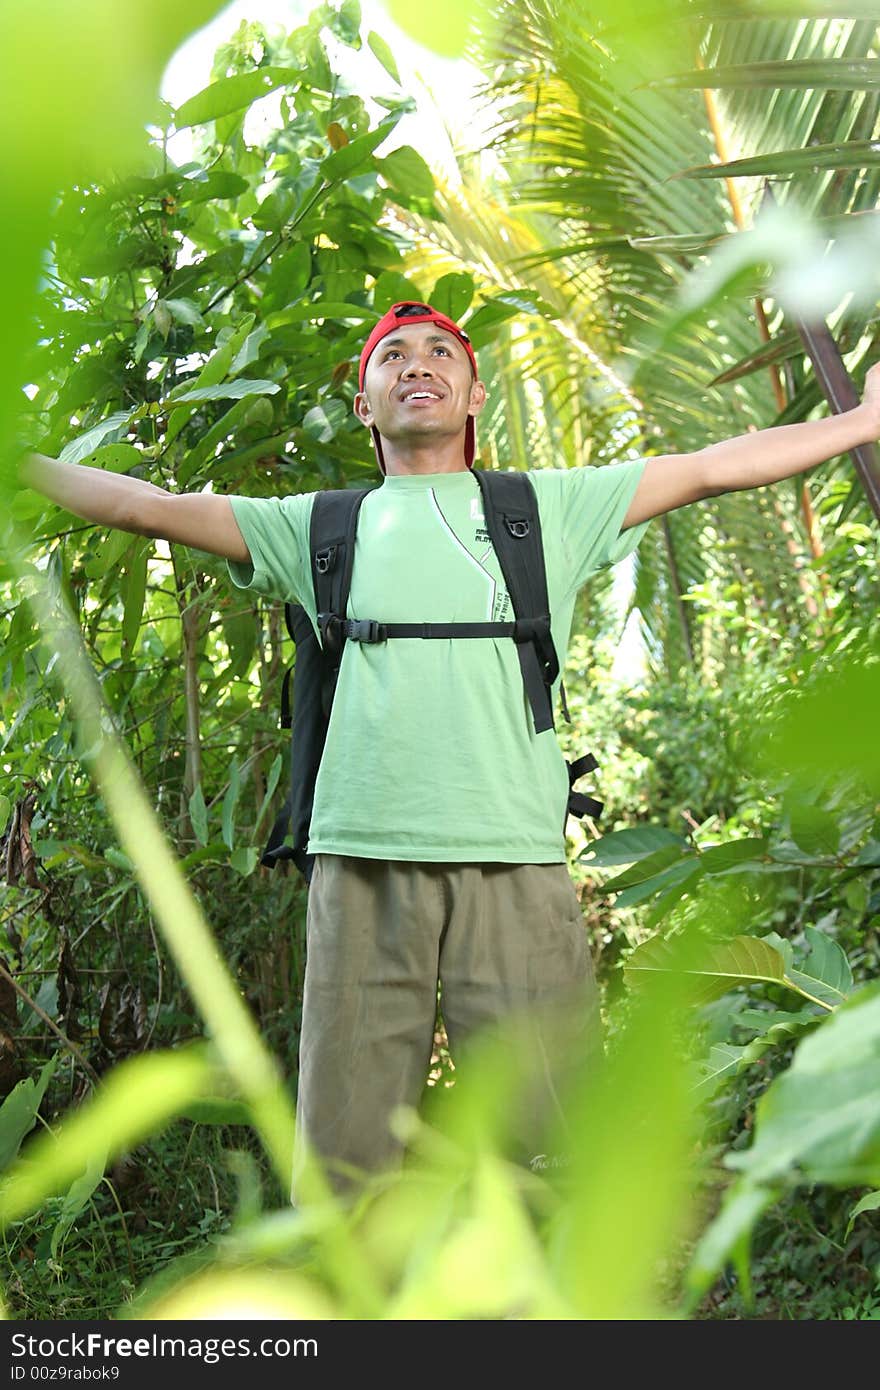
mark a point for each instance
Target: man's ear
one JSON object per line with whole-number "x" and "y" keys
{"x": 477, "y": 397}
{"x": 362, "y": 409}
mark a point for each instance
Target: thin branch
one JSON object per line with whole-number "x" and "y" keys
{"x": 50, "y": 1023}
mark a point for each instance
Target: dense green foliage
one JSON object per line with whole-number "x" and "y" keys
{"x": 197, "y": 325}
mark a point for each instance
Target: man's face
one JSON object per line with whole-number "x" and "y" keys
{"x": 419, "y": 385}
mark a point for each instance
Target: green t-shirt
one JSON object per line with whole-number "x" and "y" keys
{"x": 431, "y": 751}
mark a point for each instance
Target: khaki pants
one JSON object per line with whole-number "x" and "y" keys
{"x": 504, "y": 940}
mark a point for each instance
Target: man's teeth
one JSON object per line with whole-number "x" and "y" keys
{"x": 421, "y": 396}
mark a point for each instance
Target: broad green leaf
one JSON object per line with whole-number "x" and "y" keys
{"x": 322, "y": 422}
{"x": 648, "y": 867}
{"x": 162, "y": 318}
{"x": 348, "y": 22}
{"x": 724, "y": 1059}
{"x": 391, "y": 287}
{"x": 814, "y": 830}
{"x": 663, "y": 905}
{"x": 482, "y": 324}
{"x": 741, "y": 961}
{"x": 77, "y": 1199}
{"x": 677, "y": 875}
{"x": 779, "y": 1024}
{"x": 220, "y": 185}
{"x": 820, "y": 1120}
{"x": 452, "y": 294}
{"x": 717, "y": 858}
{"x": 485, "y": 321}
{"x": 27, "y": 504}
{"x": 185, "y": 311}
{"x": 249, "y": 351}
{"x": 136, "y": 1099}
{"x": 206, "y": 446}
{"x": 787, "y": 852}
{"x": 342, "y": 163}
{"x": 230, "y": 801}
{"x": 627, "y": 846}
{"x": 244, "y": 860}
{"x": 5, "y": 809}
{"x": 297, "y": 269}
{"x": 322, "y": 311}
{"x": 109, "y": 552}
{"x": 384, "y": 54}
{"x": 18, "y": 1113}
{"x": 219, "y": 363}
{"x": 142, "y": 338}
{"x": 214, "y": 850}
{"x": 870, "y": 1202}
{"x": 240, "y": 631}
{"x": 134, "y": 593}
{"x": 19, "y": 719}
{"x": 405, "y": 170}
{"x": 869, "y": 855}
{"x": 233, "y": 94}
{"x": 56, "y": 852}
{"x": 782, "y": 945}
{"x": 198, "y": 814}
{"x": 85, "y": 444}
{"x": 826, "y": 973}
{"x": 710, "y": 969}
{"x": 115, "y": 458}
{"x": 119, "y": 859}
{"x": 227, "y": 390}
{"x": 727, "y": 1237}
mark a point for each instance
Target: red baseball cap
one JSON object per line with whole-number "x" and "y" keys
{"x": 410, "y": 311}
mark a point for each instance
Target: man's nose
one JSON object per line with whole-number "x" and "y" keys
{"x": 416, "y": 368}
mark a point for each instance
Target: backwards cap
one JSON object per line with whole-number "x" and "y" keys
{"x": 409, "y": 311}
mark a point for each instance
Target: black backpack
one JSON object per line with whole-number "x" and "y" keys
{"x": 511, "y": 510}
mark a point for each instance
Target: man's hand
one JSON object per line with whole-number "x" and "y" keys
{"x": 871, "y": 398}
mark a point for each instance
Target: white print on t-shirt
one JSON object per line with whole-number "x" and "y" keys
{"x": 502, "y": 612}
{"x": 481, "y": 537}
{"x": 477, "y": 513}
{"x": 464, "y": 550}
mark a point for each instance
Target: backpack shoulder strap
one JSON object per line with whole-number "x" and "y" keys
{"x": 332, "y": 538}
{"x": 514, "y": 525}
{"x": 331, "y": 542}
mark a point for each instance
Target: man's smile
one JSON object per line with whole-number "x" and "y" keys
{"x": 419, "y": 395}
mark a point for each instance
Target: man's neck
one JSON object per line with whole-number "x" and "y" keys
{"x": 437, "y": 456}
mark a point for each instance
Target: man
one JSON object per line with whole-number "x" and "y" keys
{"x": 438, "y": 821}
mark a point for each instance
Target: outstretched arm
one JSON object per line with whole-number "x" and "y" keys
{"x": 113, "y": 499}
{"x": 752, "y": 460}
